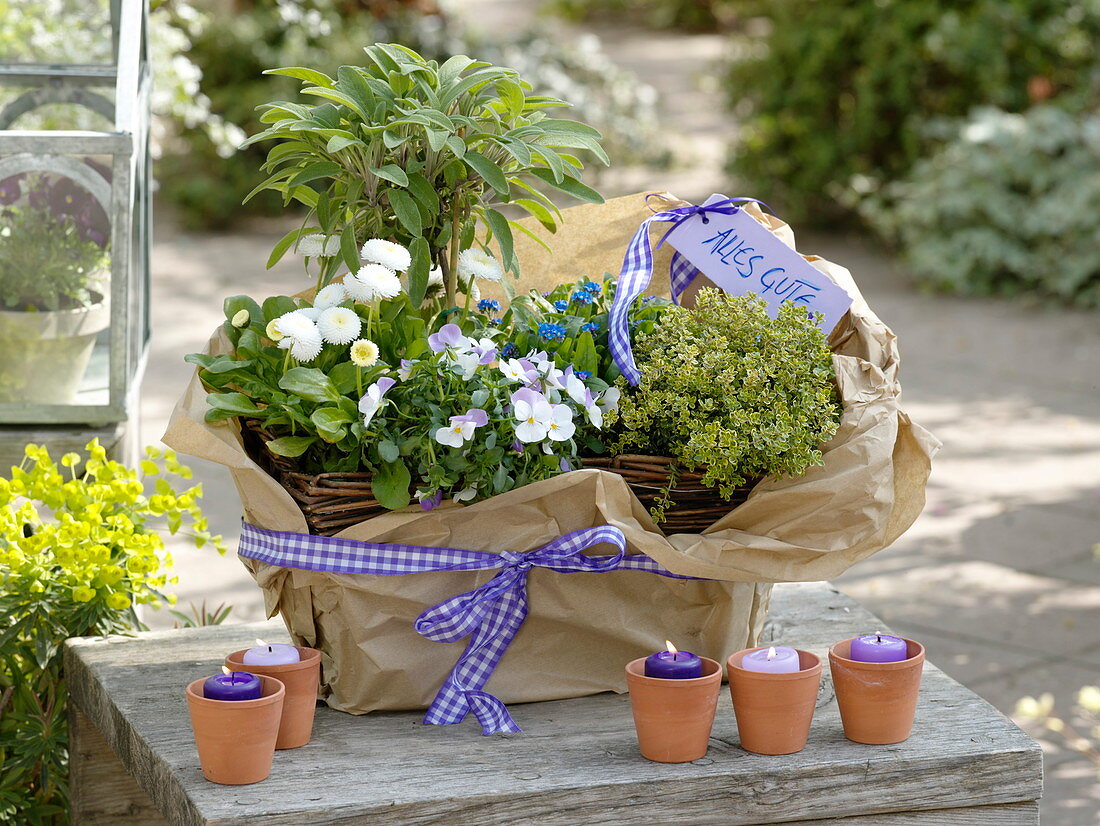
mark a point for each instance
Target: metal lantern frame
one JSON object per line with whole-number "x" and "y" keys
{"x": 125, "y": 198}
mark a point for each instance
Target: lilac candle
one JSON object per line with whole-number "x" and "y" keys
{"x": 879, "y": 648}
{"x": 673, "y": 664}
{"x": 774, "y": 660}
{"x": 232, "y": 685}
{"x": 278, "y": 653}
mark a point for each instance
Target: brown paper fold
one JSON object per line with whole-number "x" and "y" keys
{"x": 582, "y": 628}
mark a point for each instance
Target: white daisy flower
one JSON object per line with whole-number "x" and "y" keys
{"x": 240, "y": 319}
{"x": 272, "y": 330}
{"x": 330, "y": 296}
{"x": 316, "y": 245}
{"x": 372, "y": 282}
{"x": 305, "y": 347}
{"x": 389, "y": 254}
{"x": 312, "y": 313}
{"x": 435, "y": 277}
{"x": 364, "y": 353}
{"x": 294, "y": 324}
{"x": 476, "y": 263}
{"x": 339, "y": 325}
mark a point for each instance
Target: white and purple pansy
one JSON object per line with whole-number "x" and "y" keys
{"x": 461, "y": 429}
{"x": 373, "y": 399}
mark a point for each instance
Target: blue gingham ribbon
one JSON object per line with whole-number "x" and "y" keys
{"x": 490, "y": 615}
{"x": 637, "y": 271}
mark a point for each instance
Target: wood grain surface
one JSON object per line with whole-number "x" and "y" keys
{"x": 576, "y": 763}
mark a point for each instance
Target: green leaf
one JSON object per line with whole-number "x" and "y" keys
{"x": 291, "y": 446}
{"x": 390, "y": 485}
{"x": 388, "y": 451}
{"x": 424, "y": 192}
{"x": 393, "y": 173}
{"x": 349, "y": 249}
{"x": 489, "y": 171}
{"x": 314, "y": 171}
{"x": 309, "y": 383}
{"x": 278, "y": 305}
{"x": 301, "y": 73}
{"x": 503, "y": 233}
{"x": 236, "y": 404}
{"x": 281, "y": 246}
{"x": 338, "y": 142}
{"x": 407, "y": 213}
{"x": 331, "y": 423}
{"x": 570, "y": 186}
{"x": 419, "y": 270}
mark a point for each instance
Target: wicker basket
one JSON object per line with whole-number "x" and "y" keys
{"x": 331, "y": 502}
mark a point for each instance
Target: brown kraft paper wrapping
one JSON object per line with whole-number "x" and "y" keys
{"x": 582, "y": 628}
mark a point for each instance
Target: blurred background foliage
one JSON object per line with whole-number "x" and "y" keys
{"x": 961, "y": 132}
{"x": 233, "y": 42}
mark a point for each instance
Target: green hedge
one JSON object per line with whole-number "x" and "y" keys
{"x": 1009, "y": 206}
{"x": 836, "y": 93}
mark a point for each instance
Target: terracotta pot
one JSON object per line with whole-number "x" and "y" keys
{"x": 673, "y": 717}
{"x": 774, "y": 710}
{"x": 877, "y": 700}
{"x": 236, "y": 738}
{"x": 301, "y": 680}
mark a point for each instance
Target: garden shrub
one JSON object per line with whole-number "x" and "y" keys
{"x": 834, "y": 91}
{"x": 1008, "y": 206}
{"x": 78, "y": 552}
{"x": 688, "y": 15}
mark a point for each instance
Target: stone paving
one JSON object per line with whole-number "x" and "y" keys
{"x": 998, "y": 576}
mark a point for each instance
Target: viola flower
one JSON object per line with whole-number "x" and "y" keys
{"x": 582, "y": 297}
{"x": 450, "y": 339}
{"x": 461, "y": 429}
{"x": 518, "y": 370}
{"x": 583, "y": 375}
{"x": 574, "y": 386}
{"x": 330, "y": 296}
{"x": 389, "y": 254}
{"x": 564, "y": 465}
{"x": 339, "y": 325}
{"x": 551, "y": 332}
{"x": 374, "y": 398}
{"x": 590, "y": 327}
{"x": 592, "y": 408}
{"x": 609, "y": 399}
{"x": 371, "y": 282}
{"x": 405, "y": 370}
{"x": 561, "y": 305}
{"x": 509, "y": 351}
{"x": 429, "y": 501}
{"x": 317, "y": 245}
{"x": 488, "y": 305}
{"x": 477, "y": 264}
{"x": 364, "y": 353}
{"x": 592, "y": 287}
{"x": 533, "y": 415}
{"x": 484, "y": 349}
{"x": 559, "y": 426}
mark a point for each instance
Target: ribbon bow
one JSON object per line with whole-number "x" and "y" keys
{"x": 637, "y": 271}
{"x": 490, "y": 614}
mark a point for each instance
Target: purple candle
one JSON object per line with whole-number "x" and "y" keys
{"x": 879, "y": 648}
{"x": 772, "y": 660}
{"x": 232, "y": 685}
{"x": 673, "y": 664}
{"x": 276, "y": 653}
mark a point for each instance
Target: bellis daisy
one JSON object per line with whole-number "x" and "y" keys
{"x": 330, "y": 296}
{"x": 339, "y": 325}
{"x": 364, "y": 353}
{"x": 476, "y": 263}
{"x": 272, "y": 330}
{"x": 372, "y": 282}
{"x": 316, "y": 245}
{"x": 389, "y": 254}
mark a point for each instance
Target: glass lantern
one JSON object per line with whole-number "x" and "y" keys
{"x": 74, "y": 231}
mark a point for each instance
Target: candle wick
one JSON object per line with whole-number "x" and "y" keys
{"x": 270, "y": 649}
{"x": 878, "y": 638}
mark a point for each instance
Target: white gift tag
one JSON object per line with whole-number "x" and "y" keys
{"x": 741, "y": 255}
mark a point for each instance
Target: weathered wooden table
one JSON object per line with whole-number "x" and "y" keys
{"x": 134, "y": 759}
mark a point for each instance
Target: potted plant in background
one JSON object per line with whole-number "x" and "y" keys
{"x": 79, "y": 550}
{"x": 53, "y": 259}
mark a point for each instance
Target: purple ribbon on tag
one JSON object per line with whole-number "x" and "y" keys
{"x": 637, "y": 271}
{"x": 490, "y": 615}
